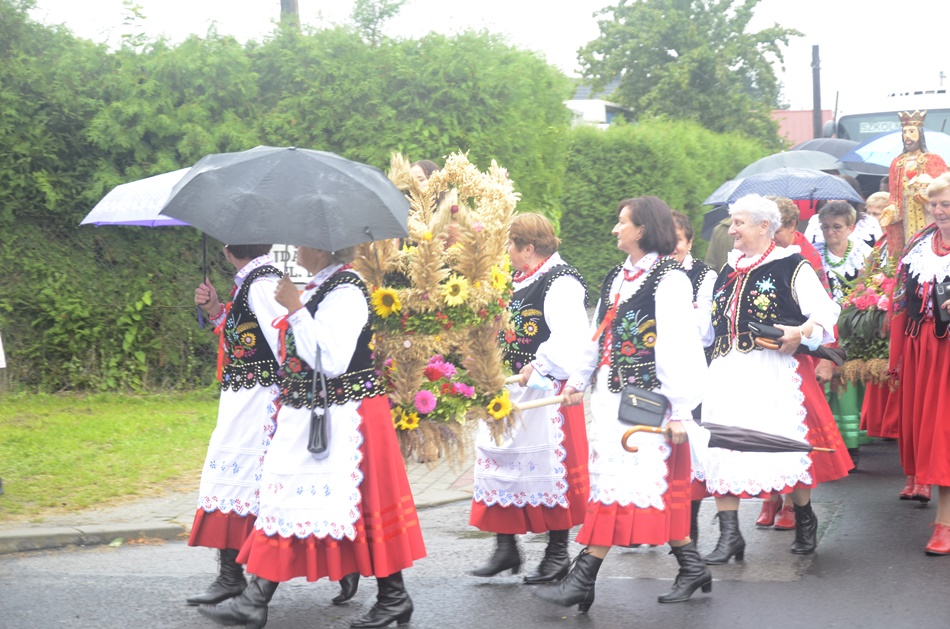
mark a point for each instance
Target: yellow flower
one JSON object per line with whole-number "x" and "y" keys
{"x": 427, "y": 236}
{"x": 398, "y": 418}
{"x": 506, "y": 264}
{"x": 411, "y": 421}
{"x": 477, "y": 285}
{"x": 499, "y": 280}
{"x": 649, "y": 340}
{"x": 500, "y": 406}
{"x": 530, "y": 328}
{"x": 455, "y": 290}
{"x": 385, "y": 302}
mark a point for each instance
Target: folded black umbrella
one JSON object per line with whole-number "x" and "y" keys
{"x": 771, "y": 333}
{"x": 733, "y": 438}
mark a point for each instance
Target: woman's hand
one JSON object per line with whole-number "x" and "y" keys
{"x": 287, "y": 295}
{"x": 675, "y": 433}
{"x": 824, "y": 370}
{"x": 791, "y": 339}
{"x": 207, "y": 298}
{"x": 572, "y": 397}
{"x": 525, "y": 373}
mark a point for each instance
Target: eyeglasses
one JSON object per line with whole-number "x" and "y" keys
{"x": 833, "y": 228}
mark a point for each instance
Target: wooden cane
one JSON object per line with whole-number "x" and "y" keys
{"x": 630, "y": 431}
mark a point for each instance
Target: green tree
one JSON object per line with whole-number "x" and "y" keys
{"x": 690, "y": 59}
{"x": 369, "y": 16}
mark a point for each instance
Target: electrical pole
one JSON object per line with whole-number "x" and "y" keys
{"x": 290, "y": 13}
{"x": 816, "y": 91}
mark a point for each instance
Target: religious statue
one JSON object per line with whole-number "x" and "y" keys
{"x": 909, "y": 175}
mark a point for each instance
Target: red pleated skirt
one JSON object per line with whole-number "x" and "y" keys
{"x": 214, "y": 529}
{"x": 822, "y": 429}
{"x": 613, "y": 525}
{"x": 925, "y": 407}
{"x": 388, "y": 537}
{"x": 878, "y": 417}
{"x": 529, "y": 519}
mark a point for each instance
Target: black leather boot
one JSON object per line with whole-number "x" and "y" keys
{"x": 506, "y": 556}
{"x": 694, "y": 520}
{"x": 556, "y": 561}
{"x": 693, "y": 574}
{"x": 806, "y": 530}
{"x": 577, "y": 587}
{"x": 248, "y": 609}
{"x": 392, "y": 603}
{"x": 230, "y": 581}
{"x": 348, "y": 586}
{"x": 730, "y": 543}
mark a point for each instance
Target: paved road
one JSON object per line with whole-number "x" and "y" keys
{"x": 870, "y": 572}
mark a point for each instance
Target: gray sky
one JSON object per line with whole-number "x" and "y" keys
{"x": 866, "y": 52}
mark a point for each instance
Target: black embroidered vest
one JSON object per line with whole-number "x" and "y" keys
{"x": 248, "y": 359}
{"x": 916, "y": 312}
{"x": 696, "y": 276}
{"x": 765, "y": 296}
{"x": 633, "y": 330}
{"x": 360, "y": 379}
{"x": 527, "y": 313}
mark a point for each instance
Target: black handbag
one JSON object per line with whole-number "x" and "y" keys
{"x": 640, "y": 407}
{"x": 319, "y": 442}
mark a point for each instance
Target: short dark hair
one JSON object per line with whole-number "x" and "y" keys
{"x": 842, "y": 209}
{"x": 249, "y": 252}
{"x": 682, "y": 222}
{"x": 655, "y": 216}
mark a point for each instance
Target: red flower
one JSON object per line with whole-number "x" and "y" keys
{"x": 510, "y": 336}
{"x": 294, "y": 364}
{"x": 238, "y": 351}
{"x": 627, "y": 348}
{"x": 432, "y": 373}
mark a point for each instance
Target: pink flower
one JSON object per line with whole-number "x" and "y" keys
{"x": 884, "y": 303}
{"x": 425, "y": 402}
{"x": 888, "y": 284}
{"x": 865, "y": 301}
{"x": 463, "y": 389}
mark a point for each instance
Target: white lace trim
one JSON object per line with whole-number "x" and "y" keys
{"x": 647, "y": 468}
{"x": 851, "y": 267}
{"x": 924, "y": 264}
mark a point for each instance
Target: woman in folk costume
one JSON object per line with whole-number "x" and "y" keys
{"x": 647, "y": 338}
{"x": 761, "y": 389}
{"x": 349, "y": 509}
{"x": 920, "y": 350}
{"x": 536, "y": 480}
{"x": 229, "y": 494}
{"x": 703, "y": 278}
{"x": 822, "y": 430}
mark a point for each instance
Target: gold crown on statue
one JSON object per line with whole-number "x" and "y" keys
{"x": 916, "y": 119}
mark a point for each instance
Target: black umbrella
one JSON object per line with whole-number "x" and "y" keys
{"x": 835, "y": 147}
{"x": 733, "y": 438}
{"x": 290, "y": 196}
{"x": 712, "y": 218}
{"x": 793, "y": 183}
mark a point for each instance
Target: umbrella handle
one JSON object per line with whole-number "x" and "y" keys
{"x": 630, "y": 432}
{"x": 513, "y": 379}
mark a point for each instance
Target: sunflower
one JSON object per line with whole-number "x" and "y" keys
{"x": 455, "y": 290}
{"x": 530, "y": 328}
{"x": 649, "y": 339}
{"x": 385, "y": 302}
{"x": 411, "y": 421}
{"x": 399, "y": 418}
{"x": 499, "y": 280}
{"x": 500, "y": 406}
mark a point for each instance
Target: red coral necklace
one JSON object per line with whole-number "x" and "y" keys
{"x": 520, "y": 276}
{"x": 940, "y": 247}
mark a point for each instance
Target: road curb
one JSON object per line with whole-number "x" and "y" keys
{"x": 27, "y": 539}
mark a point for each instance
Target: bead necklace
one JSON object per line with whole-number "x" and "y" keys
{"x": 843, "y": 259}
{"x": 940, "y": 247}
{"x": 520, "y": 276}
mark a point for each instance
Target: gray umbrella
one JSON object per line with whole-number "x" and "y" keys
{"x": 815, "y": 160}
{"x": 290, "y": 196}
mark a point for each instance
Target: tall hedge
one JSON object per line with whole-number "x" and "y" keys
{"x": 680, "y": 162}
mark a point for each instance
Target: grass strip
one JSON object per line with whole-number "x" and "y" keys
{"x": 71, "y": 452}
